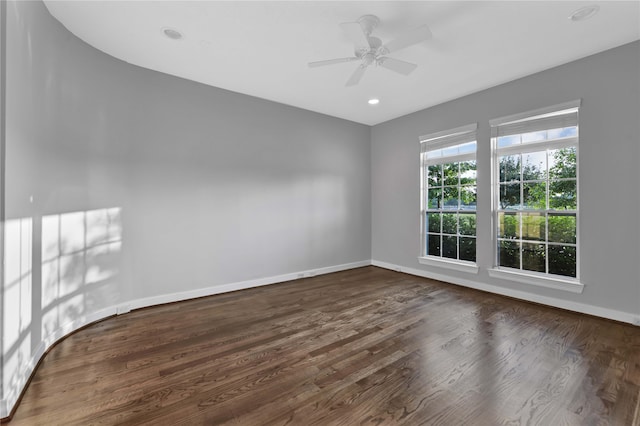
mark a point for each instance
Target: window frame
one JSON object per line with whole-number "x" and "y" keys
{"x": 542, "y": 279}
{"x": 440, "y": 140}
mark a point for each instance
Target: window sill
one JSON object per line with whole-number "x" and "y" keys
{"x": 569, "y": 285}
{"x": 458, "y": 265}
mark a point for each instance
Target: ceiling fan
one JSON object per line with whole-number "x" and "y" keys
{"x": 370, "y": 50}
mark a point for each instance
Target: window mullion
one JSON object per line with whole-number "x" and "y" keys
{"x": 546, "y": 243}
{"x": 458, "y": 212}
{"x": 520, "y": 217}
{"x": 546, "y": 217}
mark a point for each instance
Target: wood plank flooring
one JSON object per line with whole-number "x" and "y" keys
{"x": 361, "y": 347}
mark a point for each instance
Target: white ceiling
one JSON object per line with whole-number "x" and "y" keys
{"x": 261, "y": 48}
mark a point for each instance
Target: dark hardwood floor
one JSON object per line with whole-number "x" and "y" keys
{"x": 366, "y": 346}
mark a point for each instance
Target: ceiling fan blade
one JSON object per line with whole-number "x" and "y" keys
{"x": 412, "y": 37}
{"x": 356, "y": 76}
{"x": 353, "y": 30}
{"x": 402, "y": 67}
{"x": 331, "y": 62}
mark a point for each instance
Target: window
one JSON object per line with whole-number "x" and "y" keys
{"x": 449, "y": 194}
{"x": 536, "y": 192}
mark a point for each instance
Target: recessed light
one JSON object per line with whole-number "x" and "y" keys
{"x": 172, "y": 34}
{"x": 584, "y": 13}
{"x": 373, "y": 101}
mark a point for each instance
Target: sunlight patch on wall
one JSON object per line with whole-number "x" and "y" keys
{"x": 16, "y": 309}
{"x": 80, "y": 252}
{"x": 45, "y": 299}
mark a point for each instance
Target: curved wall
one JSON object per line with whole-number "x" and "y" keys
{"x": 127, "y": 187}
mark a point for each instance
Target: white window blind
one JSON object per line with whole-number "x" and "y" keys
{"x": 457, "y": 144}
{"x": 554, "y": 117}
{"x": 559, "y": 120}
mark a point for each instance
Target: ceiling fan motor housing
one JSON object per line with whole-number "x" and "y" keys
{"x": 375, "y": 48}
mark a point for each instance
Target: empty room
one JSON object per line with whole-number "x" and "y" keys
{"x": 320, "y": 213}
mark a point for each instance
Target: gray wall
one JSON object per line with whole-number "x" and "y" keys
{"x": 609, "y": 85}
{"x": 123, "y": 183}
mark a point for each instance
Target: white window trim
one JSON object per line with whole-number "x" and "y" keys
{"x": 557, "y": 282}
{"x": 531, "y": 278}
{"x": 444, "y": 262}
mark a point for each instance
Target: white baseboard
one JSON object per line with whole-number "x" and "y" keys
{"x": 517, "y": 294}
{"x": 241, "y": 285}
{"x": 11, "y": 398}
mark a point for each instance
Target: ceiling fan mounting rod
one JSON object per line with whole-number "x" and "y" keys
{"x": 368, "y": 23}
